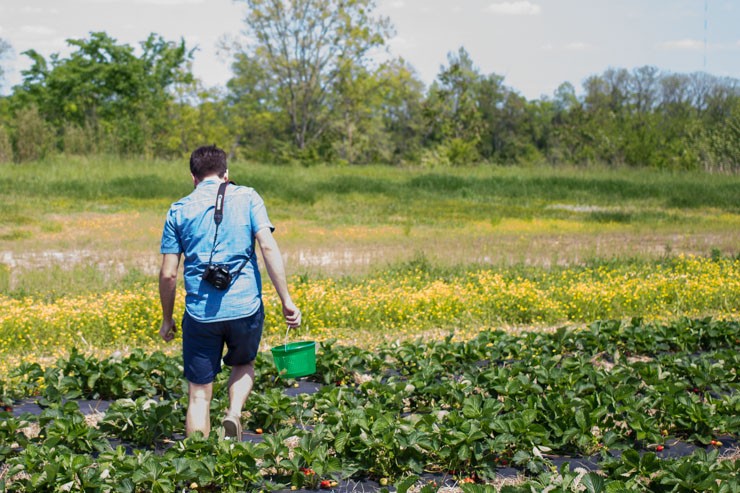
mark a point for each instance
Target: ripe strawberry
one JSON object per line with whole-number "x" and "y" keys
{"x": 659, "y": 448}
{"x": 325, "y": 484}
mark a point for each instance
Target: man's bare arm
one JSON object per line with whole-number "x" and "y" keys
{"x": 167, "y": 293}
{"x": 276, "y": 270}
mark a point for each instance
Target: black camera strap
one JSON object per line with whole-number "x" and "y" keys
{"x": 218, "y": 216}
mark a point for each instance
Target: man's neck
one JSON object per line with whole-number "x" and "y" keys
{"x": 215, "y": 178}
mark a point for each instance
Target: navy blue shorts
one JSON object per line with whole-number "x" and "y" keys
{"x": 203, "y": 344}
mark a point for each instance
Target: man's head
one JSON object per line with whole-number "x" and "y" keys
{"x": 208, "y": 161}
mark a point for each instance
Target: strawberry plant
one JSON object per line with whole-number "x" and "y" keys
{"x": 270, "y": 410}
{"x": 65, "y": 426}
{"x": 143, "y": 421}
{"x": 11, "y": 436}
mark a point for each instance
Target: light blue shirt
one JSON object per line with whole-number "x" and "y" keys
{"x": 189, "y": 230}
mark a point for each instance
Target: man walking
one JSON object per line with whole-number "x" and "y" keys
{"x": 215, "y": 228}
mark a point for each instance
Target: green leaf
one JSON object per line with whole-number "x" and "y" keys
{"x": 340, "y": 442}
{"x": 406, "y": 483}
{"x": 593, "y": 483}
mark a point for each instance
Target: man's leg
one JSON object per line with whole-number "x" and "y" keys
{"x": 240, "y": 385}
{"x": 198, "y": 417}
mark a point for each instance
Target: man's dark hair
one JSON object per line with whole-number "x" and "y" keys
{"x": 206, "y": 161}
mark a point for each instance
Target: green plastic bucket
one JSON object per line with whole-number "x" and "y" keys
{"x": 295, "y": 359}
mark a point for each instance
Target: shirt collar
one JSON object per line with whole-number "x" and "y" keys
{"x": 210, "y": 179}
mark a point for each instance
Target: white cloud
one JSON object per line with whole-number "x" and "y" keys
{"x": 38, "y": 10}
{"x": 517, "y": 7}
{"x": 169, "y": 3}
{"x": 683, "y": 44}
{"x": 166, "y": 3}
{"x": 37, "y": 30}
{"x": 578, "y": 46}
{"x": 398, "y": 42}
{"x": 572, "y": 46}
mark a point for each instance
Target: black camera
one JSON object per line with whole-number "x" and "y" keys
{"x": 218, "y": 275}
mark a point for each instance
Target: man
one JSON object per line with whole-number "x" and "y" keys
{"x": 231, "y": 313}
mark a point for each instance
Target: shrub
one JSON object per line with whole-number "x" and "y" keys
{"x": 6, "y": 148}
{"x": 34, "y": 138}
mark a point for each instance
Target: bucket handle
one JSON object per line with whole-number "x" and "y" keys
{"x": 285, "y": 346}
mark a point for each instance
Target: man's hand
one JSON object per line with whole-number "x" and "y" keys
{"x": 292, "y": 315}
{"x": 167, "y": 330}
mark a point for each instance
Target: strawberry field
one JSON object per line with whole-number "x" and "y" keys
{"x": 617, "y": 406}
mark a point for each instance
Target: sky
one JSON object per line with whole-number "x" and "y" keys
{"x": 536, "y": 45}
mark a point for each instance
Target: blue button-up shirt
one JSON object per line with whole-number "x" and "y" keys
{"x": 190, "y": 229}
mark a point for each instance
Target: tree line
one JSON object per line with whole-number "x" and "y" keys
{"x": 308, "y": 87}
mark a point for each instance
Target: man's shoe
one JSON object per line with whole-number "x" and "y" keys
{"x": 232, "y": 428}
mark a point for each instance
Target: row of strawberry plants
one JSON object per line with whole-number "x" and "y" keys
{"x": 62, "y": 461}
{"x": 449, "y": 406}
{"x": 142, "y": 374}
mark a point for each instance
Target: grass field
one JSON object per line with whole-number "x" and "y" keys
{"x": 101, "y": 220}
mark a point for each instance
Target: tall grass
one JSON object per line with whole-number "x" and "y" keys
{"x": 437, "y": 194}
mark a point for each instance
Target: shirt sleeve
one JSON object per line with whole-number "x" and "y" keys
{"x": 170, "y": 239}
{"x": 258, "y": 214}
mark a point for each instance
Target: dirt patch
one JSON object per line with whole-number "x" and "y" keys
{"x": 31, "y": 431}
{"x": 126, "y": 240}
{"x": 601, "y": 361}
{"x": 732, "y": 455}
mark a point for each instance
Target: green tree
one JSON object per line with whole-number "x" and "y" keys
{"x": 401, "y": 105}
{"x": 452, "y": 115}
{"x": 5, "y": 49}
{"x": 108, "y": 87}
{"x": 357, "y": 123}
{"x": 257, "y": 123}
{"x": 303, "y": 47}
{"x": 196, "y": 116}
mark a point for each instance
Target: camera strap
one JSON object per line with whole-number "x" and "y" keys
{"x": 218, "y": 216}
